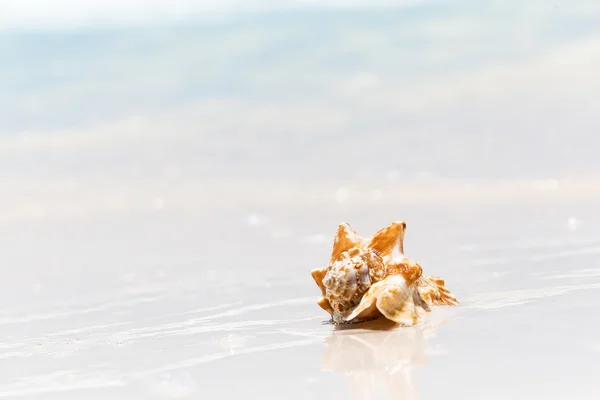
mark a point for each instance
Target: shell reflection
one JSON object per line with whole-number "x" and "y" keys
{"x": 378, "y": 360}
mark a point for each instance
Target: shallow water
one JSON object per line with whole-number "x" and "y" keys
{"x": 180, "y": 314}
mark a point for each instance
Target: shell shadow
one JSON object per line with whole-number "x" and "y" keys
{"x": 379, "y": 324}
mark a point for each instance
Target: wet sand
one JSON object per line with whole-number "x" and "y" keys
{"x": 185, "y": 308}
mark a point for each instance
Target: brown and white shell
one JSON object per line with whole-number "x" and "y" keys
{"x": 369, "y": 278}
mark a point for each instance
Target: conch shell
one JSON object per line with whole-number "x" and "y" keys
{"x": 370, "y": 278}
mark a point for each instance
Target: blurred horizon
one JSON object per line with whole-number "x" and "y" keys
{"x": 106, "y": 106}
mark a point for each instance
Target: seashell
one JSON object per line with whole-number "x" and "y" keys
{"x": 369, "y": 278}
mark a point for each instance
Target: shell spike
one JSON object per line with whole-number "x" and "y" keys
{"x": 389, "y": 241}
{"x": 345, "y": 239}
{"x": 433, "y": 290}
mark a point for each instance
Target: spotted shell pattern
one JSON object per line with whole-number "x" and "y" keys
{"x": 350, "y": 276}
